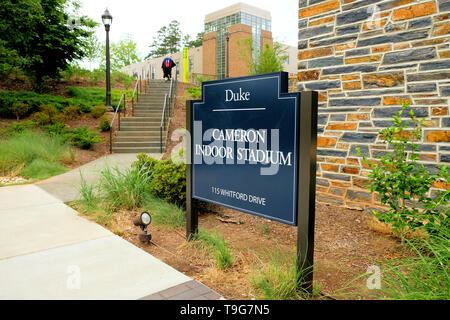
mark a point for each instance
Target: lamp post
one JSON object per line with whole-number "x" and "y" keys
{"x": 107, "y": 21}
{"x": 227, "y": 34}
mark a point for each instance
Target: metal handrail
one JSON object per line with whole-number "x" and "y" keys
{"x": 163, "y": 123}
{"x": 113, "y": 119}
{"x": 132, "y": 97}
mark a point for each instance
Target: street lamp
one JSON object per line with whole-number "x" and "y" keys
{"x": 107, "y": 21}
{"x": 227, "y": 34}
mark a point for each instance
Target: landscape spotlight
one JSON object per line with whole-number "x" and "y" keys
{"x": 142, "y": 221}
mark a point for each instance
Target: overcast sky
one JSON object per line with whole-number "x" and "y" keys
{"x": 141, "y": 19}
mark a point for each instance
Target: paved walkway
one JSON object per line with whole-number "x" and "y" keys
{"x": 47, "y": 251}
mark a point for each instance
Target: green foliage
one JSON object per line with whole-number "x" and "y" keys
{"x": 195, "y": 92}
{"x": 123, "y": 53}
{"x": 35, "y": 100}
{"x": 270, "y": 59}
{"x": 40, "y": 169}
{"x": 167, "y": 40}
{"x": 168, "y": 181}
{"x": 38, "y": 39}
{"x": 96, "y": 96}
{"x": 163, "y": 213}
{"x": 71, "y": 112}
{"x": 403, "y": 184}
{"x": 83, "y": 137}
{"x": 198, "y": 42}
{"x": 104, "y": 124}
{"x": 423, "y": 276}
{"x": 98, "y": 111}
{"x": 19, "y": 109}
{"x": 17, "y": 127}
{"x": 124, "y": 189}
{"x": 279, "y": 279}
{"x": 48, "y": 114}
{"x": 33, "y": 153}
{"x": 216, "y": 243}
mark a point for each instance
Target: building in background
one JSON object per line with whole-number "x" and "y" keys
{"x": 241, "y": 21}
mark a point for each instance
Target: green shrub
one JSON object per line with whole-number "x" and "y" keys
{"x": 404, "y": 184}
{"x": 18, "y": 127}
{"x": 169, "y": 182}
{"x": 104, "y": 124}
{"x": 19, "y": 109}
{"x": 71, "y": 112}
{"x": 35, "y": 100}
{"x": 145, "y": 162}
{"x": 83, "y": 137}
{"x": 41, "y": 118}
{"x": 98, "y": 111}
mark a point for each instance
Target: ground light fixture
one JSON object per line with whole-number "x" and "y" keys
{"x": 142, "y": 221}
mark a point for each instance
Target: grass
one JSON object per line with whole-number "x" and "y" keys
{"x": 424, "y": 276}
{"x": 34, "y": 155}
{"x": 216, "y": 244}
{"x": 164, "y": 213}
{"x": 279, "y": 278}
{"x": 124, "y": 189}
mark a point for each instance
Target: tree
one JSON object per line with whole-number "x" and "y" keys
{"x": 123, "y": 53}
{"x": 270, "y": 59}
{"x": 167, "y": 41}
{"x": 37, "y": 38}
{"x": 194, "y": 43}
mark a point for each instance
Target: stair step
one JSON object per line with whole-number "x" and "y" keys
{"x": 155, "y": 144}
{"x": 138, "y": 150}
{"x": 152, "y": 138}
{"x": 138, "y": 134}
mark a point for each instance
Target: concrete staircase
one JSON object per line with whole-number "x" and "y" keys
{"x": 141, "y": 133}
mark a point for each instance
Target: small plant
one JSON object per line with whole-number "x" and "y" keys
{"x": 83, "y": 137}
{"x": 168, "y": 181}
{"x": 163, "y": 213}
{"x": 88, "y": 196}
{"x": 404, "y": 184}
{"x": 98, "y": 111}
{"x": 104, "y": 124}
{"x": 18, "y": 127}
{"x": 218, "y": 246}
{"x": 19, "y": 109}
{"x": 124, "y": 189}
{"x": 279, "y": 279}
{"x": 71, "y": 112}
{"x": 48, "y": 114}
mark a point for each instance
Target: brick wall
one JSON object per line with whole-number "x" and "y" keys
{"x": 209, "y": 53}
{"x": 364, "y": 57}
{"x": 238, "y": 67}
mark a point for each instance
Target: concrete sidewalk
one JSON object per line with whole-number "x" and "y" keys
{"x": 65, "y": 186}
{"x": 47, "y": 251}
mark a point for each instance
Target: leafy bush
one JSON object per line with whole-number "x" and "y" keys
{"x": 83, "y": 137}
{"x": 71, "y": 112}
{"x": 19, "y": 109}
{"x": 18, "y": 127}
{"x": 169, "y": 182}
{"x": 98, "y": 111}
{"x": 104, "y": 124}
{"x": 35, "y": 100}
{"x": 404, "y": 184}
{"x": 48, "y": 114}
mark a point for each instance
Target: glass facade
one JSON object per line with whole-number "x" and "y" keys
{"x": 220, "y": 25}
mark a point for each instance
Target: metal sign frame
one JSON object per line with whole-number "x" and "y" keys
{"x": 307, "y": 107}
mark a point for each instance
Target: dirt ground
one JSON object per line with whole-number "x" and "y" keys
{"x": 345, "y": 246}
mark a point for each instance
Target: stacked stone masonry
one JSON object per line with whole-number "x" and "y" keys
{"x": 365, "y": 57}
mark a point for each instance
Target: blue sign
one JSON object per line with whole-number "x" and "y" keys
{"x": 244, "y": 146}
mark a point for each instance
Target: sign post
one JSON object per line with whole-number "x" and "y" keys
{"x": 253, "y": 148}
{"x": 185, "y": 64}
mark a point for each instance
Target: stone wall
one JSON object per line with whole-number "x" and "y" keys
{"x": 365, "y": 57}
